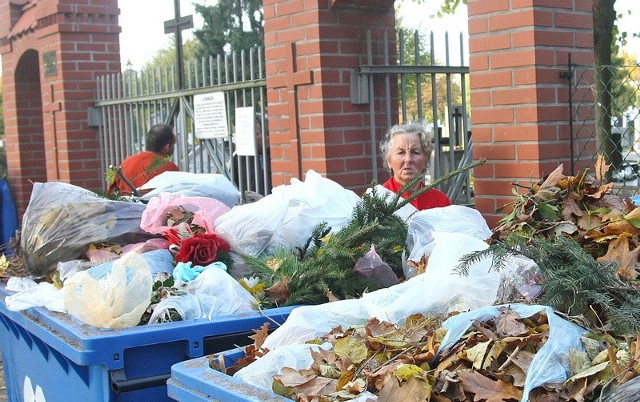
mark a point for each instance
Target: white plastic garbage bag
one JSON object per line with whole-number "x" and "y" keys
{"x": 287, "y": 217}
{"x": 438, "y": 291}
{"x": 20, "y": 283}
{"x": 314, "y": 200}
{"x": 441, "y": 289}
{"x": 451, "y": 219}
{"x": 43, "y": 294}
{"x": 212, "y": 293}
{"x": 260, "y": 372}
{"x": 549, "y": 365}
{"x": 220, "y": 294}
{"x": 308, "y": 322}
{"x": 455, "y": 218}
{"x": 210, "y": 185}
{"x": 250, "y": 228}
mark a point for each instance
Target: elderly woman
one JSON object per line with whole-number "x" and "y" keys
{"x": 406, "y": 149}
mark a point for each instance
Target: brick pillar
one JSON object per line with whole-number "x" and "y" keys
{"x": 311, "y": 50}
{"x": 520, "y": 111}
{"x": 52, "y": 53}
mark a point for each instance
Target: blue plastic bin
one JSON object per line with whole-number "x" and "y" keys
{"x": 194, "y": 381}
{"x": 8, "y": 216}
{"x": 56, "y": 356}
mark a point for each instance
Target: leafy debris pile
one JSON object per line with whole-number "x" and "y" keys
{"x": 489, "y": 362}
{"x": 586, "y": 242}
{"x": 582, "y": 208}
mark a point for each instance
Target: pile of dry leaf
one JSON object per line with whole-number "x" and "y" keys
{"x": 489, "y": 362}
{"x": 606, "y": 225}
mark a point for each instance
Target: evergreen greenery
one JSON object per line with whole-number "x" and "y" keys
{"x": 230, "y": 26}
{"x": 325, "y": 265}
{"x": 574, "y": 282}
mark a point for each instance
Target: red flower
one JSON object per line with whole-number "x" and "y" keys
{"x": 201, "y": 249}
{"x": 176, "y": 234}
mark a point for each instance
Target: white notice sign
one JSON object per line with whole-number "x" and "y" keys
{"x": 210, "y": 115}
{"x": 245, "y": 131}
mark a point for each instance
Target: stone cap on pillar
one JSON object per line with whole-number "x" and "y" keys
{"x": 26, "y": 23}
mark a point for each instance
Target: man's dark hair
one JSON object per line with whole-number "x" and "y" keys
{"x": 159, "y": 136}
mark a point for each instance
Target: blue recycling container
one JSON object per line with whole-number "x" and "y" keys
{"x": 8, "y": 216}
{"x": 194, "y": 381}
{"x": 54, "y": 357}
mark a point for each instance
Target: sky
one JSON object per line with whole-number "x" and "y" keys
{"x": 629, "y": 23}
{"x": 142, "y": 37}
{"x": 142, "y": 23}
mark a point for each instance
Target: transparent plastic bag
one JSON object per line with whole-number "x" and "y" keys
{"x": 419, "y": 243}
{"x": 210, "y": 185}
{"x": 205, "y": 211}
{"x": 551, "y": 362}
{"x": 111, "y": 296}
{"x": 62, "y": 220}
{"x": 520, "y": 279}
{"x": 372, "y": 267}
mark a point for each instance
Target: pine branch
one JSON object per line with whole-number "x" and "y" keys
{"x": 499, "y": 252}
{"x": 574, "y": 282}
{"x": 433, "y": 185}
{"x": 315, "y": 240}
{"x": 327, "y": 261}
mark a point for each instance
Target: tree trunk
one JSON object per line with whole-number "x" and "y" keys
{"x": 603, "y": 19}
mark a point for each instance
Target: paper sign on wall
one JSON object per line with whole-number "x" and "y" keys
{"x": 245, "y": 131}
{"x": 210, "y": 115}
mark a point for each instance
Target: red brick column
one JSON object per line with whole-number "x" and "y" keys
{"x": 520, "y": 113}
{"x": 52, "y": 52}
{"x": 311, "y": 50}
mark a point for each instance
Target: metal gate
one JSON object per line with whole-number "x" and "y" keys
{"x": 431, "y": 91}
{"x": 129, "y": 103}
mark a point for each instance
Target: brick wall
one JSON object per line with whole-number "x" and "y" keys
{"x": 519, "y": 101}
{"x": 311, "y": 51}
{"x": 520, "y": 115}
{"x": 52, "y": 53}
